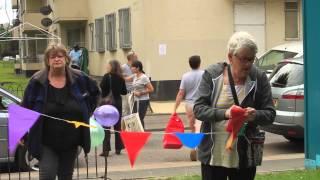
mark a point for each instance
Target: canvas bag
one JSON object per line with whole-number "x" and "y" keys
{"x": 171, "y": 141}
{"x": 132, "y": 122}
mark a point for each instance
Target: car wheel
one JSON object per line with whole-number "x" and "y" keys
{"x": 24, "y": 161}
{"x": 294, "y": 139}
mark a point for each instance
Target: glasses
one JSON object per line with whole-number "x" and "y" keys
{"x": 56, "y": 56}
{"x": 246, "y": 59}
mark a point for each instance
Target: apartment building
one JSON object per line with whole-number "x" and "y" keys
{"x": 165, "y": 33}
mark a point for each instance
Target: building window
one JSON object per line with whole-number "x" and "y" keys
{"x": 291, "y": 20}
{"x": 73, "y": 37}
{"x": 91, "y": 33}
{"x": 111, "y": 32}
{"x": 100, "y": 47}
{"x": 125, "y": 28}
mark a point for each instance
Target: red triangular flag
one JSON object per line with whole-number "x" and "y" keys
{"x": 133, "y": 142}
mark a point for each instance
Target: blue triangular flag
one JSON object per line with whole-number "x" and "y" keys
{"x": 191, "y": 140}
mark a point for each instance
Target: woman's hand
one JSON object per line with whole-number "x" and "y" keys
{"x": 227, "y": 114}
{"x": 250, "y": 113}
{"x": 137, "y": 93}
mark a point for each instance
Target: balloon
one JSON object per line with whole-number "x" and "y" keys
{"x": 106, "y": 115}
{"x": 96, "y": 134}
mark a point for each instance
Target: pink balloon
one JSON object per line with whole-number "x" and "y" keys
{"x": 106, "y": 115}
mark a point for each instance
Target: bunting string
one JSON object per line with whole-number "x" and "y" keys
{"x": 107, "y": 116}
{"x": 112, "y": 130}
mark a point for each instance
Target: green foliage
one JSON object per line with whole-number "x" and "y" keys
{"x": 292, "y": 175}
{"x": 286, "y": 175}
{"x": 10, "y": 81}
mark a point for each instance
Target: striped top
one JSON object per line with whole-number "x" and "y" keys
{"x": 220, "y": 156}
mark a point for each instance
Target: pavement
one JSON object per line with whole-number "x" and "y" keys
{"x": 165, "y": 107}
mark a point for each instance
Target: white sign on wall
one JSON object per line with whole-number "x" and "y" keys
{"x": 162, "y": 49}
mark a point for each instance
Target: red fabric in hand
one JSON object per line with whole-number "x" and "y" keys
{"x": 235, "y": 123}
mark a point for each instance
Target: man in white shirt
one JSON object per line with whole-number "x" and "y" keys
{"x": 128, "y": 77}
{"x": 188, "y": 91}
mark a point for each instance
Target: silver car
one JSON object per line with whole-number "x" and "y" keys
{"x": 21, "y": 156}
{"x": 287, "y": 85}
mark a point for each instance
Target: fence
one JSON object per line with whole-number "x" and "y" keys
{"x": 86, "y": 167}
{"x": 22, "y": 166}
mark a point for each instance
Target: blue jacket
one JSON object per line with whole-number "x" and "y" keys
{"x": 84, "y": 90}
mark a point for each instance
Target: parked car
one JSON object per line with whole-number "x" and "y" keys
{"x": 287, "y": 86}
{"x": 268, "y": 61}
{"x": 21, "y": 157}
{"x": 8, "y": 58}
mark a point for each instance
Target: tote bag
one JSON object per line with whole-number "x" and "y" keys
{"x": 171, "y": 141}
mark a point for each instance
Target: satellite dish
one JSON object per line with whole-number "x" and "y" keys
{"x": 46, "y": 10}
{"x": 46, "y": 22}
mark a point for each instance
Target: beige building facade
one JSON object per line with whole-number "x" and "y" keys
{"x": 164, "y": 33}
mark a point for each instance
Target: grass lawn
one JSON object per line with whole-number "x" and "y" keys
{"x": 11, "y": 81}
{"x": 287, "y": 175}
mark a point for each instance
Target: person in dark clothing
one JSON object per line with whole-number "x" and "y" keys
{"x": 113, "y": 81}
{"x": 62, "y": 92}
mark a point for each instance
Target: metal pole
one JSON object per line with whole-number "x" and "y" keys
{"x": 311, "y": 12}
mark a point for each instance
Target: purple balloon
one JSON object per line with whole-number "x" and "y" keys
{"x": 106, "y": 115}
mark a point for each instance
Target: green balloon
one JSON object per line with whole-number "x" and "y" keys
{"x": 96, "y": 134}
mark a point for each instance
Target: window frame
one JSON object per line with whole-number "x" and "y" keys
{"x": 111, "y": 35}
{"x": 125, "y": 40}
{"x": 99, "y": 35}
{"x": 297, "y": 11}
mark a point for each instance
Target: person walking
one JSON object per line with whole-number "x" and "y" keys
{"x": 188, "y": 89}
{"x": 238, "y": 82}
{"x": 128, "y": 76}
{"x": 113, "y": 82}
{"x": 62, "y": 92}
{"x": 142, "y": 87}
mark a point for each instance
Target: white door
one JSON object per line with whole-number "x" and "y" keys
{"x": 250, "y": 16}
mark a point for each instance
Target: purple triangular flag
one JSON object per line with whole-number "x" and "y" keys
{"x": 191, "y": 140}
{"x": 20, "y": 121}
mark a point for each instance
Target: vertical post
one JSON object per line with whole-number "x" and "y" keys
{"x": 311, "y": 29}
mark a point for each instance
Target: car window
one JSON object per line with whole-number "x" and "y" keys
{"x": 287, "y": 75}
{"x": 274, "y": 57}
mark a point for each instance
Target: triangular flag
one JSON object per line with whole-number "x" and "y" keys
{"x": 191, "y": 140}
{"x": 134, "y": 141}
{"x": 20, "y": 121}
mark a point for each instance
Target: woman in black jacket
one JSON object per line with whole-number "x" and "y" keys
{"x": 114, "y": 82}
{"x": 62, "y": 92}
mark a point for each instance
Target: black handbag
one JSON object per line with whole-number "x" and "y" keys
{"x": 109, "y": 99}
{"x": 250, "y": 144}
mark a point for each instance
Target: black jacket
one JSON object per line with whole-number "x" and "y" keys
{"x": 84, "y": 90}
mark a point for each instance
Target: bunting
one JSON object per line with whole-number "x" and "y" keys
{"x": 133, "y": 142}
{"x": 190, "y": 140}
{"x": 20, "y": 121}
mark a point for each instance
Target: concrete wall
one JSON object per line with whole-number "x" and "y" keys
{"x": 275, "y": 23}
{"x": 100, "y": 8}
{"x": 197, "y": 27}
{"x": 69, "y": 9}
